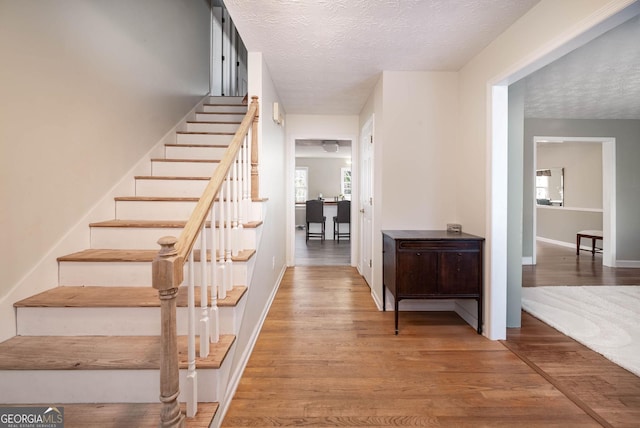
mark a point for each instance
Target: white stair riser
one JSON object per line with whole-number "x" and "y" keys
{"x": 225, "y": 100}
{"x": 212, "y": 127}
{"x": 144, "y": 238}
{"x": 219, "y": 117}
{"x": 166, "y": 210}
{"x": 43, "y": 321}
{"x": 96, "y": 386}
{"x": 172, "y": 188}
{"x": 204, "y": 139}
{"x": 183, "y": 169}
{"x": 154, "y": 210}
{"x": 190, "y": 152}
{"x": 127, "y": 274}
{"x": 208, "y": 108}
{"x": 231, "y": 320}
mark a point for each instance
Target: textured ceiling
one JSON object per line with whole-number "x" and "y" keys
{"x": 600, "y": 80}
{"x": 325, "y": 56}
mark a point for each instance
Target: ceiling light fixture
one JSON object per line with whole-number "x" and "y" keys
{"x": 330, "y": 146}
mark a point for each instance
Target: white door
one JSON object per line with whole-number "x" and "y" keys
{"x": 366, "y": 201}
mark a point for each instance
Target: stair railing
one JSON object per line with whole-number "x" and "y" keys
{"x": 224, "y": 202}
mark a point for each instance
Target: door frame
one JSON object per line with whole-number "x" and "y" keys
{"x": 608, "y": 193}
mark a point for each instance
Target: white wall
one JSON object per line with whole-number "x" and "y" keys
{"x": 270, "y": 257}
{"x": 88, "y": 87}
{"x": 415, "y": 150}
{"x": 419, "y": 149}
{"x": 482, "y": 183}
{"x": 582, "y": 164}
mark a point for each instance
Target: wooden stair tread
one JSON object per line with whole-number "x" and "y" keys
{"x": 100, "y": 353}
{"x": 116, "y": 297}
{"x": 186, "y": 160}
{"x": 170, "y": 199}
{"x": 161, "y": 224}
{"x": 220, "y": 112}
{"x": 108, "y": 255}
{"x": 156, "y": 198}
{"x": 204, "y": 133}
{"x": 119, "y": 415}
{"x": 170, "y": 177}
{"x": 213, "y": 122}
{"x": 208, "y": 146}
{"x": 225, "y": 105}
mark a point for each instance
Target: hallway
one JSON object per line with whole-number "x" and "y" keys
{"x": 327, "y": 357}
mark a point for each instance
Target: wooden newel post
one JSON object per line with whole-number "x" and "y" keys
{"x": 255, "y": 179}
{"x": 167, "y": 276}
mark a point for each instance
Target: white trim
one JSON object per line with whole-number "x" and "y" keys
{"x": 590, "y": 210}
{"x": 560, "y": 243}
{"x": 635, "y": 264}
{"x": 290, "y": 166}
{"x": 527, "y": 261}
{"x": 495, "y": 300}
{"x": 608, "y": 192}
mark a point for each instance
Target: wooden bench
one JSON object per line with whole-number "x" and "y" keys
{"x": 594, "y": 235}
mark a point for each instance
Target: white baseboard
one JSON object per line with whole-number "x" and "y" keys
{"x": 235, "y": 377}
{"x": 526, "y": 261}
{"x": 44, "y": 274}
{"x": 555, "y": 242}
{"x": 618, "y": 263}
{"x": 628, "y": 264}
{"x": 468, "y": 311}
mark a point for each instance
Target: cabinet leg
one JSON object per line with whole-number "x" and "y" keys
{"x": 396, "y": 315}
{"x": 479, "y": 316}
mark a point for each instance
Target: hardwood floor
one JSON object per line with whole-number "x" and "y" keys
{"x": 327, "y": 357}
{"x": 557, "y": 265}
{"x": 322, "y": 253}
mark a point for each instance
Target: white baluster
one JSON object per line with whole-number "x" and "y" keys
{"x": 241, "y": 208}
{"x": 192, "y": 375}
{"x": 214, "y": 317}
{"x": 247, "y": 144}
{"x": 236, "y": 209}
{"x": 204, "y": 301}
{"x": 222, "y": 285}
{"x": 228, "y": 248}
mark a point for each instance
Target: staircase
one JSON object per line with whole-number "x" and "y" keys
{"x": 92, "y": 344}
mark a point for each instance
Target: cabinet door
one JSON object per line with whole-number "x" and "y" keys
{"x": 417, "y": 273}
{"x": 459, "y": 272}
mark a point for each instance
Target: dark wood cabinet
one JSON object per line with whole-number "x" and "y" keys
{"x": 432, "y": 264}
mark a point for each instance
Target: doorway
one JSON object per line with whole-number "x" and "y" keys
{"x": 576, "y": 211}
{"x": 506, "y": 294}
{"x": 322, "y": 172}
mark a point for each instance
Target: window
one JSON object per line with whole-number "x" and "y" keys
{"x": 542, "y": 187}
{"x": 345, "y": 183}
{"x": 302, "y": 184}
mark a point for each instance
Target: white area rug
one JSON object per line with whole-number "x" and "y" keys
{"x": 603, "y": 318}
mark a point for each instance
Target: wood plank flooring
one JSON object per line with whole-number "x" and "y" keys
{"x": 318, "y": 253}
{"x": 327, "y": 357}
{"x": 609, "y": 393}
{"x": 124, "y": 415}
{"x": 557, "y": 265}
